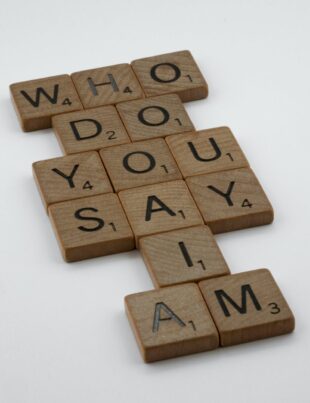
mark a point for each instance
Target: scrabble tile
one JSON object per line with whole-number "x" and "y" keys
{"x": 107, "y": 85}
{"x": 154, "y": 117}
{"x": 247, "y": 306}
{"x": 182, "y": 256}
{"x": 70, "y": 177}
{"x": 139, "y": 164}
{"x": 206, "y": 151}
{"x": 171, "y": 322}
{"x": 36, "y": 101}
{"x": 159, "y": 208}
{"x": 231, "y": 200}
{"x": 91, "y": 227}
{"x": 90, "y": 129}
{"x": 171, "y": 73}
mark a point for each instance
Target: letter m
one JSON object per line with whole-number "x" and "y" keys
{"x": 245, "y": 290}
{"x": 36, "y": 102}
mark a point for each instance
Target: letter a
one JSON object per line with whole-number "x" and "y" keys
{"x": 171, "y": 316}
{"x": 150, "y": 210}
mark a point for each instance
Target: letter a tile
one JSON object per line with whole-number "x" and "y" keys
{"x": 70, "y": 177}
{"x": 231, "y": 200}
{"x": 158, "y": 208}
{"x": 171, "y": 73}
{"x": 206, "y": 151}
{"x": 107, "y": 85}
{"x": 36, "y": 101}
{"x": 89, "y": 130}
{"x": 247, "y": 306}
{"x": 91, "y": 227}
{"x": 171, "y": 322}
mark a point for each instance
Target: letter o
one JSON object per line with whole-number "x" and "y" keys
{"x": 164, "y": 111}
{"x": 177, "y": 73}
{"x": 152, "y": 162}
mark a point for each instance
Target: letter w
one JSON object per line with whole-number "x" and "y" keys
{"x": 36, "y": 103}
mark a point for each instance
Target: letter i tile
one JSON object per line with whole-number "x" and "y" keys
{"x": 182, "y": 256}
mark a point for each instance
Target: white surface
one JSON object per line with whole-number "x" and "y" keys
{"x": 64, "y": 336}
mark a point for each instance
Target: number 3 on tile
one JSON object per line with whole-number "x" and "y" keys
{"x": 274, "y": 308}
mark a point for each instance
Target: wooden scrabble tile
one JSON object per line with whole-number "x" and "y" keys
{"x": 182, "y": 256}
{"x": 91, "y": 227}
{"x": 70, "y": 177}
{"x": 141, "y": 163}
{"x": 36, "y": 101}
{"x": 171, "y": 322}
{"x": 90, "y": 129}
{"x": 206, "y": 151}
{"x": 247, "y": 306}
{"x": 107, "y": 85}
{"x": 231, "y": 200}
{"x": 154, "y": 117}
{"x": 159, "y": 208}
{"x": 171, "y": 73}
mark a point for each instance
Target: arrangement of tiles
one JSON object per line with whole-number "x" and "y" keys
{"x": 137, "y": 174}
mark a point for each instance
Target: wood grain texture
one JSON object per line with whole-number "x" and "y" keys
{"x": 182, "y": 256}
{"x": 36, "y": 101}
{"x": 252, "y": 307}
{"x": 154, "y": 117}
{"x": 107, "y": 85}
{"x": 245, "y": 204}
{"x": 159, "y": 208}
{"x": 90, "y": 129}
{"x": 206, "y": 151}
{"x": 91, "y": 227}
{"x": 70, "y": 177}
{"x": 171, "y": 322}
{"x": 139, "y": 164}
{"x": 171, "y": 73}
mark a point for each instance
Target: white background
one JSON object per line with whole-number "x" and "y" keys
{"x": 64, "y": 336}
